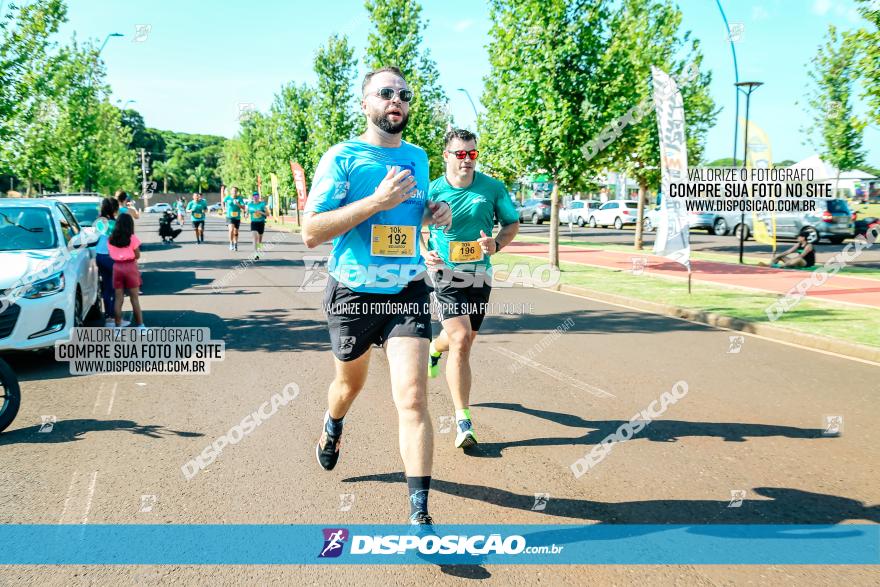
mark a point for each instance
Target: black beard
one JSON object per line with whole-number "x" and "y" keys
{"x": 382, "y": 122}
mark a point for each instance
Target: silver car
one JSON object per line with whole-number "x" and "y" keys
{"x": 831, "y": 220}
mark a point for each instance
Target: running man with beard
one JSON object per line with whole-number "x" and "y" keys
{"x": 459, "y": 265}
{"x": 198, "y": 208}
{"x": 369, "y": 196}
{"x": 258, "y": 211}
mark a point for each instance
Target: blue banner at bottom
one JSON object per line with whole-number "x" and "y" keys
{"x": 134, "y": 544}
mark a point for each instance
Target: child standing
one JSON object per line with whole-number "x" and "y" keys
{"x": 124, "y": 249}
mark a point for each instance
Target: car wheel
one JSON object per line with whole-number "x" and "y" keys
{"x": 720, "y": 228}
{"x": 743, "y": 228}
{"x": 593, "y": 223}
{"x": 836, "y": 240}
{"x": 618, "y": 223}
{"x": 10, "y": 395}
{"x": 94, "y": 312}
{"x": 812, "y": 235}
{"x": 535, "y": 219}
{"x": 78, "y": 310}
{"x": 581, "y": 221}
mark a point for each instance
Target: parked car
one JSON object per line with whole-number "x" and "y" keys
{"x": 864, "y": 224}
{"x": 160, "y": 208}
{"x": 536, "y": 210}
{"x": 577, "y": 212}
{"x": 85, "y": 208}
{"x": 48, "y": 275}
{"x": 216, "y": 207}
{"x": 615, "y": 213}
{"x": 831, "y": 220}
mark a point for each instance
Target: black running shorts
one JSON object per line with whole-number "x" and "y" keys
{"x": 357, "y": 320}
{"x": 258, "y": 227}
{"x": 457, "y": 293}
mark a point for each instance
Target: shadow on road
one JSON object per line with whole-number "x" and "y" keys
{"x": 610, "y": 322}
{"x": 76, "y": 429}
{"x": 230, "y": 263}
{"x": 784, "y": 506}
{"x": 160, "y": 283}
{"x": 656, "y": 431}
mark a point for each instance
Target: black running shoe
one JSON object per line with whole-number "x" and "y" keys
{"x": 327, "y": 449}
{"x": 421, "y": 519}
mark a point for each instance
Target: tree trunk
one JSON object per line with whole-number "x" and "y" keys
{"x": 554, "y": 226}
{"x": 165, "y": 185}
{"x": 640, "y": 215}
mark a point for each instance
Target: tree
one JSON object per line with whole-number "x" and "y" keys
{"x": 544, "y": 57}
{"x": 869, "y": 62}
{"x": 164, "y": 171}
{"x": 395, "y": 40}
{"x": 333, "y": 114}
{"x": 198, "y": 178}
{"x": 646, "y": 33}
{"x": 833, "y": 72}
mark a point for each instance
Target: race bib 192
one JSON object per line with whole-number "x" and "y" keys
{"x": 390, "y": 240}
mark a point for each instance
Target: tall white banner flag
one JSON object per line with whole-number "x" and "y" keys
{"x": 672, "y": 239}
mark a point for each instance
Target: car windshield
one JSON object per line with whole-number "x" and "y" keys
{"x": 545, "y": 202}
{"x": 23, "y": 228}
{"x": 838, "y": 207}
{"x": 85, "y": 212}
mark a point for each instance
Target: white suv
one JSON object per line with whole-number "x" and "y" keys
{"x": 48, "y": 275}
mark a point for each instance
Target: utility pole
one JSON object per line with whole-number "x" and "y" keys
{"x": 144, "y": 177}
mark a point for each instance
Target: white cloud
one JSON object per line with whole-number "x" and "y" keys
{"x": 462, "y": 25}
{"x": 821, "y": 7}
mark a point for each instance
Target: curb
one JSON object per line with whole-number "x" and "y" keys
{"x": 849, "y": 349}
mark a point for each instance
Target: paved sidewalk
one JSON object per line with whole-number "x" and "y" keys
{"x": 838, "y": 288}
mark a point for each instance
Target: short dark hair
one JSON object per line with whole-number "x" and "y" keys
{"x": 121, "y": 196}
{"x": 459, "y": 133}
{"x": 390, "y": 69}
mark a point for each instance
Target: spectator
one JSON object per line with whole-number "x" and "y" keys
{"x": 124, "y": 247}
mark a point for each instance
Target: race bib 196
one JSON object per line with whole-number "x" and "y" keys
{"x": 465, "y": 251}
{"x": 234, "y": 214}
{"x": 389, "y": 240}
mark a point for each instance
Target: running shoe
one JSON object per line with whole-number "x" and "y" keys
{"x": 465, "y": 438}
{"x": 434, "y": 365}
{"x": 230, "y": 247}
{"x": 421, "y": 519}
{"x": 236, "y": 247}
{"x": 327, "y": 449}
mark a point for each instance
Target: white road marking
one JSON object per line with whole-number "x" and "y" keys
{"x": 112, "y": 397}
{"x": 67, "y": 500}
{"x": 85, "y": 517}
{"x": 98, "y": 399}
{"x": 591, "y": 389}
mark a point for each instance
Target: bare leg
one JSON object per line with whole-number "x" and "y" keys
{"x": 117, "y": 310}
{"x": 348, "y": 383}
{"x": 408, "y": 362}
{"x": 458, "y": 337}
{"x": 136, "y": 306}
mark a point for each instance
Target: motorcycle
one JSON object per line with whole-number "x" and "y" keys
{"x": 10, "y": 395}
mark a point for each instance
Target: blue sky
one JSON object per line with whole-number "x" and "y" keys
{"x": 201, "y": 59}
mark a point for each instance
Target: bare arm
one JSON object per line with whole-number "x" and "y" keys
{"x": 507, "y": 233}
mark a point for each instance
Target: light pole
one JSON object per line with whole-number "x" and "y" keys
{"x": 735, "y": 79}
{"x": 107, "y": 38}
{"x": 747, "y": 88}
{"x": 125, "y": 105}
{"x": 472, "y": 104}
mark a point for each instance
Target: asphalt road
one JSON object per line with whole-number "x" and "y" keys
{"x": 752, "y": 421}
{"x": 700, "y": 241}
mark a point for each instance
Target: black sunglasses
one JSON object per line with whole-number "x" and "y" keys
{"x": 388, "y": 94}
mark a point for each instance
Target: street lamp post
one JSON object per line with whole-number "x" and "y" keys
{"x": 472, "y": 104}
{"x": 747, "y": 88}
{"x": 735, "y": 78}
{"x": 107, "y": 38}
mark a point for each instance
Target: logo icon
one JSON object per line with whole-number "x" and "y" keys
{"x": 147, "y": 503}
{"x": 737, "y": 32}
{"x": 246, "y": 110}
{"x": 833, "y": 426}
{"x": 141, "y": 32}
{"x": 346, "y": 501}
{"x": 346, "y": 344}
{"x": 736, "y": 498}
{"x": 479, "y": 200}
{"x": 541, "y": 500}
{"x": 340, "y": 189}
{"x": 334, "y": 540}
{"x": 638, "y": 265}
{"x": 736, "y": 343}
{"x": 446, "y": 423}
{"x": 48, "y": 424}
{"x": 315, "y": 277}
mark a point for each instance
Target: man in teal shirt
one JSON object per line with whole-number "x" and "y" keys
{"x": 234, "y": 205}
{"x": 459, "y": 260}
{"x": 258, "y": 212}
{"x": 198, "y": 209}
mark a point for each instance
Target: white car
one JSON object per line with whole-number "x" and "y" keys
{"x": 158, "y": 208}
{"x": 48, "y": 275}
{"x": 615, "y": 213}
{"x": 86, "y": 209}
{"x": 577, "y": 212}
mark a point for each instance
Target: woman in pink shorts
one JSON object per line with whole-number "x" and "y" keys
{"x": 124, "y": 249}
